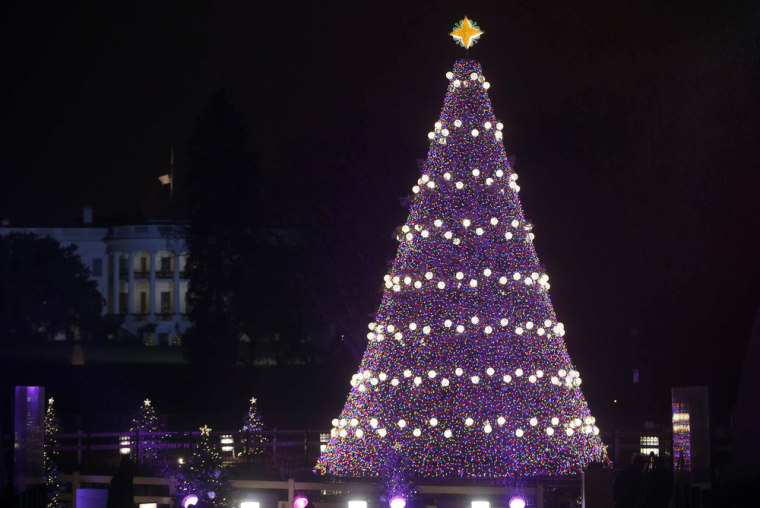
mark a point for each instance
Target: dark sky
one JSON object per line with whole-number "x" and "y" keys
{"x": 634, "y": 126}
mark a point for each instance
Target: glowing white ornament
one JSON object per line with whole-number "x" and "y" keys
{"x": 444, "y": 382}
{"x": 407, "y": 373}
{"x": 487, "y": 428}
{"x": 500, "y": 126}
{"x": 516, "y": 276}
{"x": 459, "y": 185}
{"x": 487, "y": 272}
{"x": 457, "y": 123}
{"x": 499, "y": 173}
{"x": 466, "y": 223}
{"x": 487, "y": 125}
{"x": 549, "y": 431}
{"x": 515, "y": 223}
{"x": 473, "y": 283}
{"x": 431, "y": 374}
{"x": 474, "y": 76}
{"x": 456, "y": 241}
{"x": 518, "y": 372}
{"x": 394, "y": 381}
{"x": 447, "y": 433}
{"x": 417, "y": 432}
{"x": 562, "y": 372}
{"x": 488, "y": 330}
{"x": 457, "y": 83}
{"x": 447, "y": 323}
{"x": 555, "y": 421}
{"x": 428, "y": 275}
{"x": 502, "y": 279}
{"x": 449, "y": 75}
{"x": 469, "y": 422}
{"x": 441, "y": 285}
{"x": 445, "y": 132}
{"x": 433, "y": 422}
{"x": 474, "y": 133}
{"x": 417, "y": 284}
{"x": 479, "y": 231}
{"x": 475, "y": 379}
{"x": 335, "y": 422}
{"x": 426, "y": 330}
{"x": 501, "y": 421}
{"x": 475, "y": 320}
{"x": 431, "y": 135}
{"x": 498, "y": 135}
{"x": 490, "y": 371}
{"x": 458, "y": 371}
{"x": 343, "y": 433}
{"x": 540, "y": 373}
{"x": 519, "y": 433}
{"x": 504, "y": 321}
{"x": 476, "y": 172}
{"x": 382, "y": 432}
{"x": 533, "y": 422}
{"x": 529, "y": 325}
{"x": 508, "y": 235}
{"x": 532, "y": 378}
{"x": 460, "y": 328}
{"x": 398, "y": 336}
{"x": 507, "y": 378}
{"x": 402, "y": 423}
{"x": 407, "y": 281}
{"x": 569, "y": 432}
{"x": 486, "y": 85}
{"x": 460, "y": 275}
{"x": 447, "y": 235}
{"x": 437, "y": 126}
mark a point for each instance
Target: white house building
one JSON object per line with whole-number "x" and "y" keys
{"x": 139, "y": 269}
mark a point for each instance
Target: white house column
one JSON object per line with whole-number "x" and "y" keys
{"x": 152, "y": 305}
{"x": 131, "y": 285}
{"x": 115, "y": 277}
{"x": 176, "y": 284}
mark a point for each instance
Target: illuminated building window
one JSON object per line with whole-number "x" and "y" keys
{"x": 649, "y": 444}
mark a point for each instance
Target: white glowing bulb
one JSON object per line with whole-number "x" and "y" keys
{"x": 519, "y": 330}
{"x": 549, "y": 431}
{"x": 457, "y": 83}
{"x": 409, "y": 236}
{"x": 447, "y": 323}
{"x": 456, "y": 241}
{"x": 499, "y": 173}
{"x": 458, "y": 371}
{"x": 569, "y": 432}
{"x": 508, "y": 235}
{"x": 447, "y": 235}
{"x": 474, "y": 133}
{"x": 500, "y": 126}
{"x": 487, "y": 272}
{"x": 457, "y": 123}
{"x": 507, "y": 378}
{"x": 515, "y": 223}
{"x": 460, "y": 275}
{"x": 516, "y": 276}
{"x": 518, "y": 372}
{"x": 335, "y": 422}
{"x": 417, "y": 432}
{"x": 562, "y": 373}
{"x": 488, "y": 330}
{"x": 407, "y": 373}
{"x": 433, "y": 422}
{"x": 489, "y": 181}
{"x": 426, "y": 330}
{"x": 555, "y": 380}
{"x": 445, "y": 132}
{"x": 487, "y": 125}
{"x": 428, "y": 275}
{"x": 498, "y": 135}
{"x": 532, "y": 378}
{"x": 529, "y": 325}
{"x": 541, "y": 331}
{"x": 475, "y": 380}
{"x": 402, "y": 423}
{"x": 417, "y": 284}
{"x": 487, "y": 428}
{"x": 460, "y": 328}
{"x": 383, "y": 376}
{"x": 473, "y": 283}
{"x": 469, "y": 421}
{"x": 431, "y": 135}
{"x": 407, "y": 281}
{"x": 449, "y": 75}
{"x": 519, "y": 433}
{"x": 438, "y": 125}
{"x": 394, "y": 381}
{"x": 466, "y": 223}
{"x": 444, "y": 382}
{"x": 474, "y": 76}
{"x": 441, "y": 285}
{"x": 486, "y": 85}
{"x": 459, "y": 185}
{"x": 374, "y": 381}
{"x": 475, "y": 320}
{"x": 490, "y": 371}
{"x": 382, "y": 432}
{"x": 502, "y": 279}
{"x": 431, "y": 374}
{"x": 479, "y": 231}
{"x": 447, "y": 433}
{"x": 370, "y": 336}
{"x": 398, "y": 336}
{"x": 533, "y": 422}
{"x": 504, "y": 321}
{"x": 343, "y": 433}
{"x": 412, "y": 326}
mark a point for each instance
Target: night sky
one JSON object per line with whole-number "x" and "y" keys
{"x": 633, "y": 125}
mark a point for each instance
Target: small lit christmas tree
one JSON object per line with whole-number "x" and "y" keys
{"x": 398, "y": 478}
{"x": 53, "y": 485}
{"x": 204, "y": 474}
{"x": 143, "y": 428}
{"x": 253, "y": 431}
{"x": 466, "y": 367}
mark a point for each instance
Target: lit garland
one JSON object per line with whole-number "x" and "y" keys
{"x": 466, "y": 366}
{"x": 53, "y": 485}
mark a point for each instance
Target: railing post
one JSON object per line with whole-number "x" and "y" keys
{"x": 539, "y": 495}
{"x": 291, "y": 490}
{"x": 74, "y": 487}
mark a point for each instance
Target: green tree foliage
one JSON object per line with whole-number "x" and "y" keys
{"x": 52, "y": 481}
{"x": 45, "y": 290}
{"x": 204, "y": 474}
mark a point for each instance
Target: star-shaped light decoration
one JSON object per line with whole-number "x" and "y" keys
{"x": 146, "y": 402}
{"x": 466, "y": 33}
{"x": 253, "y": 400}
{"x": 51, "y": 400}
{"x": 205, "y": 430}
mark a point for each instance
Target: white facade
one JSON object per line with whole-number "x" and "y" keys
{"x": 139, "y": 269}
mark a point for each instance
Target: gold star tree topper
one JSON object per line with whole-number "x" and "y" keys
{"x": 205, "y": 430}
{"x": 466, "y": 33}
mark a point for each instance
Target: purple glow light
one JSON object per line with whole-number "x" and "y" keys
{"x": 300, "y": 501}
{"x": 517, "y": 502}
{"x": 189, "y": 500}
{"x": 397, "y": 502}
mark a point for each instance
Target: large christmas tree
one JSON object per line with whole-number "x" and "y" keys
{"x": 466, "y": 367}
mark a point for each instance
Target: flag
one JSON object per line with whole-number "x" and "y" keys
{"x": 165, "y": 179}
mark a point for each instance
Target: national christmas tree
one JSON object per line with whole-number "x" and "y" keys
{"x": 466, "y": 366}
{"x": 52, "y": 480}
{"x": 204, "y": 474}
